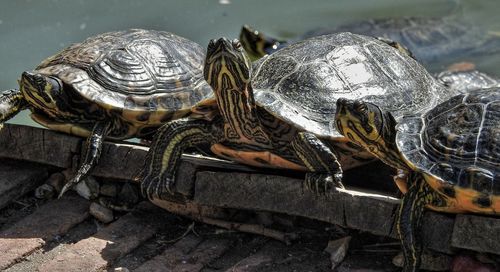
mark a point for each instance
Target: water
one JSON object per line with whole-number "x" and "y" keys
{"x": 31, "y": 30}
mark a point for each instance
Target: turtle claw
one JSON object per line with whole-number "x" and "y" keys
{"x": 67, "y": 187}
{"x": 168, "y": 184}
{"x": 322, "y": 183}
{"x": 154, "y": 188}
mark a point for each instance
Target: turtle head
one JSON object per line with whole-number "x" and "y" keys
{"x": 256, "y": 43}
{"x": 47, "y": 96}
{"x": 366, "y": 125}
{"x": 228, "y": 70}
{"x": 43, "y": 92}
{"x": 227, "y": 66}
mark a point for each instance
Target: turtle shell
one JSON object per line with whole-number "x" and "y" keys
{"x": 466, "y": 81}
{"x": 144, "y": 77}
{"x": 457, "y": 143}
{"x": 302, "y": 82}
{"x": 429, "y": 39}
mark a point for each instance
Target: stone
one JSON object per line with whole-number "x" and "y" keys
{"x": 101, "y": 213}
{"x": 109, "y": 189}
{"x": 57, "y": 180}
{"x": 129, "y": 193}
{"x": 45, "y": 191}
{"x": 338, "y": 250}
{"x": 87, "y": 188}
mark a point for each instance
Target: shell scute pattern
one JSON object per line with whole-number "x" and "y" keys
{"x": 137, "y": 71}
{"x": 122, "y": 72}
{"x": 489, "y": 143}
{"x": 340, "y": 65}
{"x": 137, "y": 78}
{"x": 460, "y": 144}
{"x": 85, "y": 53}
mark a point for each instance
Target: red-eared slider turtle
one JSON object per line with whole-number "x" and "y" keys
{"x": 449, "y": 156}
{"x": 114, "y": 85}
{"x": 280, "y": 113}
{"x": 466, "y": 81}
{"x": 431, "y": 40}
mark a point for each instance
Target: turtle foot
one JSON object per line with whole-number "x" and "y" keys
{"x": 322, "y": 183}
{"x": 68, "y": 186}
{"x": 156, "y": 187}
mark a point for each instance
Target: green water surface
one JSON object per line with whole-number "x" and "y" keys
{"x": 31, "y": 30}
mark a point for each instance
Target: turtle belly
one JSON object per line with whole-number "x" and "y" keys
{"x": 460, "y": 200}
{"x": 68, "y": 128}
{"x": 255, "y": 158}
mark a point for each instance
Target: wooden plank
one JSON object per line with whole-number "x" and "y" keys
{"x": 120, "y": 161}
{"x": 286, "y": 195}
{"x": 363, "y": 211}
{"x": 17, "y": 178}
{"x": 477, "y": 233}
{"x": 100, "y": 250}
{"x": 47, "y": 222}
{"x": 38, "y": 145}
{"x": 370, "y": 212}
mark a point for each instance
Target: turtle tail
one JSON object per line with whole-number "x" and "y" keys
{"x": 11, "y": 103}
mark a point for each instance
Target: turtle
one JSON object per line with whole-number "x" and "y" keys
{"x": 468, "y": 80}
{"x": 432, "y": 40}
{"x": 279, "y": 111}
{"x": 115, "y": 85}
{"x": 448, "y": 156}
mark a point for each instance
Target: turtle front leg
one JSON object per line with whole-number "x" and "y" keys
{"x": 164, "y": 156}
{"x": 11, "y": 103}
{"x": 93, "y": 148}
{"x": 409, "y": 220}
{"x": 325, "y": 170}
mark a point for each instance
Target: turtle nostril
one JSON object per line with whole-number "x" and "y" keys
{"x": 341, "y": 102}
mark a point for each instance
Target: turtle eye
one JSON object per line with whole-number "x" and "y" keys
{"x": 237, "y": 44}
{"x": 360, "y": 107}
{"x": 211, "y": 44}
{"x": 55, "y": 85}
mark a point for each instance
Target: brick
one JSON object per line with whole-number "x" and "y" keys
{"x": 100, "y": 250}
{"x": 188, "y": 254}
{"x": 251, "y": 263}
{"x": 46, "y": 223}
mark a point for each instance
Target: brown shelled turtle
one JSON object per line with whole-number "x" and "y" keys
{"x": 431, "y": 40}
{"x": 448, "y": 156}
{"x": 280, "y": 112}
{"x": 115, "y": 85}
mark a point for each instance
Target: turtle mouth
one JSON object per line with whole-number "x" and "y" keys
{"x": 224, "y": 48}
{"x": 226, "y": 62}
{"x": 353, "y": 116}
{"x": 33, "y": 87}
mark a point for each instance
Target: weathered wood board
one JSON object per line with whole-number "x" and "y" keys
{"x": 203, "y": 184}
